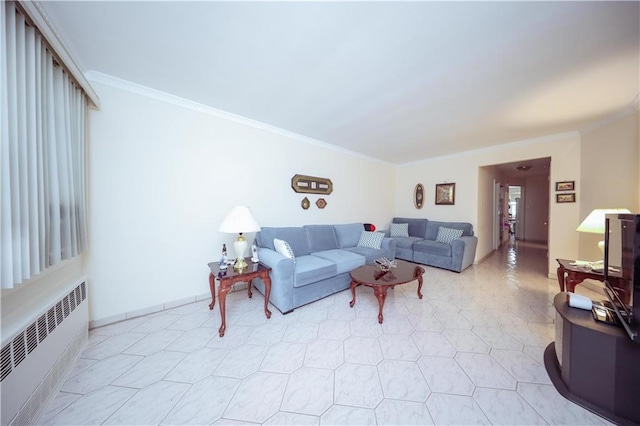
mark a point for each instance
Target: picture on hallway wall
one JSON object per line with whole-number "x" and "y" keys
{"x": 566, "y": 186}
{"x": 566, "y": 198}
{"x": 445, "y": 194}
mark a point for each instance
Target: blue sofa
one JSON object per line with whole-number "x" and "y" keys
{"x": 324, "y": 256}
{"x": 421, "y": 245}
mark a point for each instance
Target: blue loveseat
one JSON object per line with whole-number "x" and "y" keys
{"x": 324, "y": 256}
{"x": 421, "y": 245}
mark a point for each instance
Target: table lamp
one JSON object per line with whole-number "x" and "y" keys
{"x": 594, "y": 223}
{"x": 239, "y": 220}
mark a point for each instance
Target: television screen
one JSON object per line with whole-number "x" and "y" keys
{"x": 622, "y": 269}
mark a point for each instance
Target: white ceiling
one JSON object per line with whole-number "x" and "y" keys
{"x": 398, "y": 81}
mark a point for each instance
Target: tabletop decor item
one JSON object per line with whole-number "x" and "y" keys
{"x": 445, "y": 194}
{"x": 385, "y": 264}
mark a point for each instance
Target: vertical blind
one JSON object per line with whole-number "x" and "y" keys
{"x": 42, "y": 153}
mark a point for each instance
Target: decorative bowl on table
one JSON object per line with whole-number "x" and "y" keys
{"x": 385, "y": 264}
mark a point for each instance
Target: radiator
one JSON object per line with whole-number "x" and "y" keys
{"x": 37, "y": 360}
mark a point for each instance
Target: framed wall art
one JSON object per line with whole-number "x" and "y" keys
{"x": 566, "y": 198}
{"x": 445, "y": 194}
{"x": 566, "y": 186}
{"x": 418, "y": 196}
{"x": 311, "y": 185}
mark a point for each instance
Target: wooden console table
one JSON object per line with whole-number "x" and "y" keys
{"x": 569, "y": 276}
{"x": 230, "y": 276}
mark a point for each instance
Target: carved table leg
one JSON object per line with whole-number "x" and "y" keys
{"x": 381, "y": 294}
{"x": 572, "y": 281}
{"x": 560, "y": 273}
{"x": 419, "y": 287}
{"x": 353, "y": 293}
{"x": 212, "y": 287}
{"x": 222, "y": 295}
{"x": 267, "y": 292}
{"x": 249, "y": 288}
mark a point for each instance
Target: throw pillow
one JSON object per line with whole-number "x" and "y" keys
{"x": 399, "y": 229}
{"x": 446, "y": 235}
{"x": 371, "y": 239}
{"x": 283, "y": 248}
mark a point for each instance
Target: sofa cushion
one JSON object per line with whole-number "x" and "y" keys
{"x": 446, "y": 235}
{"x": 348, "y": 234}
{"x": 399, "y": 230}
{"x": 433, "y": 247}
{"x": 310, "y": 269}
{"x": 406, "y": 242}
{"x": 283, "y": 248}
{"x": 345, "y": 261}
{"x": 295, "y": 236}
{"x": 433, "y": 226}
{"x": 321, "y": 237}
{"x": 370, "y": 254}
{"x": 417, "y": 227}
{"x": 371, "y": 239}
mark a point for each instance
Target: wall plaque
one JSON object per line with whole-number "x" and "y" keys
{"x": 418, "y": 196}
{"x": 311, "y": 185}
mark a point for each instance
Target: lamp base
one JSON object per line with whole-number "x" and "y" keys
{"x": 240, "y": 246}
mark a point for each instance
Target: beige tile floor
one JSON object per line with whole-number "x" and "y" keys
{"x": 469, "y": 352}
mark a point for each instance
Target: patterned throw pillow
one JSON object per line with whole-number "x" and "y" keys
{"x": 371, "y": 239}
{"x": 283, "y": 248}
{"x": 399, "y": 229}
{"x": 446, "y": 235}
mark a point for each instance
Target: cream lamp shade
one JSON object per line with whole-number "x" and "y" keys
{"x": 239, "y": 220}
{"x": 594, "y": 223}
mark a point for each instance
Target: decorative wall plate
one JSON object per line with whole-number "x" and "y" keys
{"x": 311, "y": 185}
{"x": 418, "y": 196}
{"x": 305, "y": 203}
{"x": 321, "y": 203}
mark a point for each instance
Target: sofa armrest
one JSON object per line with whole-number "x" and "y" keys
{"x": 463, "y": 251}
{"x": 389, "y": 247}
{"x": 282, "y": 277}
{"x": 282, "y": 268}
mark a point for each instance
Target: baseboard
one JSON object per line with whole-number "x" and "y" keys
{"x": 157, "y": 308}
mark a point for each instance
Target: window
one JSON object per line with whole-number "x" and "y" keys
{"x": 42, "y": 154}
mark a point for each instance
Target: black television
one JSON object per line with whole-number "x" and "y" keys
{"x": 622, "y": 269}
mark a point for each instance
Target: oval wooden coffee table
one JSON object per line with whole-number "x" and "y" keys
{"x": 381, "y": 281}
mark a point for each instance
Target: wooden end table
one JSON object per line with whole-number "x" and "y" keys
{"x": 569, "y": 276}
{"x": 381, "y": 281}
{"x": 228, "y": 277}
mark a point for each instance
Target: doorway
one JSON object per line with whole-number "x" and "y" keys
{"x": 522, "y": 205}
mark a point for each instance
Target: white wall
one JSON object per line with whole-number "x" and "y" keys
{"x": 163, "y": 177}
{"x": 474, "y": 190}
{"x": 610, "y": 176}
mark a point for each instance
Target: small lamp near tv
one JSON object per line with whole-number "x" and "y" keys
{"x": 238, "y": 221}
{"x": 595, "y": 221}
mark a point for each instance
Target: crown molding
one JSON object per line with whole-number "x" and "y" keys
{"x": 630, "y": 109}
{"x": 494, "y": 148}
{"x": 118, "y": 83}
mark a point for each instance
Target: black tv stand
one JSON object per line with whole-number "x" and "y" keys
{"x": 595, "y": 365}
